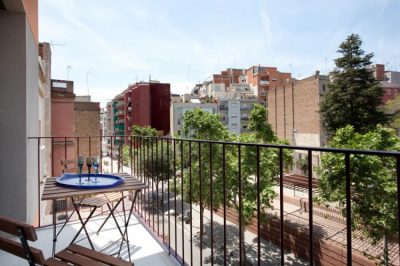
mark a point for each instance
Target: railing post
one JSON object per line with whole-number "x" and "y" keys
{"x": 38, "y": 172}
{"x": 348, "y": 209}
{"x": 310, "y": 208}
{"x": 281, "y": 205}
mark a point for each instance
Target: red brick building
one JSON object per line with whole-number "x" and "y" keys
{"x": 62, "y": 122}
{"x": 261, "y": 79}
{"x": 389, "y": 80}
{"x": 146, "y": 104}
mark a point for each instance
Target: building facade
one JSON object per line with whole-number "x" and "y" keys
{"x": 389, "y": 81}
{"x": 62, "y": 122}
{"x": 45, "y": 108}
{"x": 179, "y": 109}
{"x": 261, "y": 79}
{"x": 294, "y": 110}
{"x": 87, "y": 124}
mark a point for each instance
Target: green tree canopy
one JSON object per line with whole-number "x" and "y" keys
{"x": 392, "y": 107}
{"x": 258, "y": 124}
{"x": 199, "y": 124}
{"x": 354, "y": 96}
{"x": 373, "y": 189}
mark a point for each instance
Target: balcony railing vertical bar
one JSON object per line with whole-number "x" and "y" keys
{"x": 65, "y": 149}
{"x": 258, "y": 206}
{"x": 224, "y": 193}
{"x": 190, "y": 202}
{"x": 65, "y": 158}
{"x": 169, "y": 198}
{"x": 398, "y": 196}
{"x": 52, "y": 158}
{"x": 111, "y": 154}
{"x": 120, "y": 158}
{"x": 147, "y": 176}
{"x": 201, "y": 204}
{"x": 90, "y": 146}
{"x": 310, "y": 208}
{"x": 130, "y": 153}
{"x": 240, "y": 205}
{"x": 211, "y": 204}
{"x": 348, "y": 208}
{"x": 101, "y": 153}
{"x": 38, "y": 179}
{"x": 157, "y": 188}
{"x": 152, "y": 187}
{"x": 162, "y": 182}
{"x": 175, "y": 211}
{"x": 140, "y": 198}
{"x": 77, "y": 146}
{"x": 281, "y": 206}
{"x": 152, "y": 183}
{"x": 182, "y": 207}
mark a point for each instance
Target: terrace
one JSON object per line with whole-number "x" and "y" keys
{"x": 199, "y": 222}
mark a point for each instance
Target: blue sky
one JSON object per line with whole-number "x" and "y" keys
{"x": 109, "y": 44}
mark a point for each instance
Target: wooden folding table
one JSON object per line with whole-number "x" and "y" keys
{"x": 52, "y": 192}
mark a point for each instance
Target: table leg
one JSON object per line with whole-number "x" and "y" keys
{"x": 98, "y": 231}
{"x": 126, "y": 225}
{"x": 83, "y": 225}
{"x": 69, "y": 217}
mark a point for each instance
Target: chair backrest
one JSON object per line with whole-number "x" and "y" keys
{"x": 20, "y": 248}
{"x": 69, "y": 166}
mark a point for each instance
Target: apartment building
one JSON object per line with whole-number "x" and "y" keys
{"x": 45, "y": 107}
{"x": 261, "y": 79}
{"x": 142, "y": 104}
{"x": 179, "y": 109}
{"x": 147, "y": 104}
{"x": 234, "y": 110}
{"x": 389, "y": 81}
{"x": 87, "y": 124}
{"x": 293, "y": 110}
{"x": 62, "y": 122}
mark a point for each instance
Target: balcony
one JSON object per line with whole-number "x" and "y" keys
{"x": 199, "y": 220}
{"x": 264, "y": 82}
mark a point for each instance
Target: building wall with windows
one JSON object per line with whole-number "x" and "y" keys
{"x": 178, "y": 110}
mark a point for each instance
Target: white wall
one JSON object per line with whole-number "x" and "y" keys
{"x": 18, "y": 117}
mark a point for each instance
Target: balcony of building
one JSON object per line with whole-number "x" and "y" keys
{"x": 192, "y": 211}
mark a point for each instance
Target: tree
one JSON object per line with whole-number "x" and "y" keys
{"x": 198, "y": 124}
{"x": 392, "y": 107}
{"x": 354, "y": 96}
{"x": 258, "y": 124}
{"x": 202, "y": 125}
{"x": 374, "y": 187}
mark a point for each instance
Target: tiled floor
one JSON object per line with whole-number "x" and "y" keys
{"x": 144, "y": 249}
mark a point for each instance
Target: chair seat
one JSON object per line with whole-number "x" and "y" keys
{"x": 100, "y": 200}
{"x": 78, "y": 255}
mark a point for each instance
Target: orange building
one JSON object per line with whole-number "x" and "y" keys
{"x": 261, "y": 79}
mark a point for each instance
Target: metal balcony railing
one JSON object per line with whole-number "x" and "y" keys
{"x": 200, "y": 192}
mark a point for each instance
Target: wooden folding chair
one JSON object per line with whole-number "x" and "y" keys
{"x": 67, "y": 166}
{"x": 73, "y": 254}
